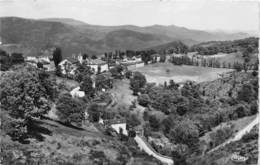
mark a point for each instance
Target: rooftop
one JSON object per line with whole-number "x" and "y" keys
{"x": 97, "y": 62}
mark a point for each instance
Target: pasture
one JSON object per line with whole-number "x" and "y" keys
{"x": 161, "y": 72}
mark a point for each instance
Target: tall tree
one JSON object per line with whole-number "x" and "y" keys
{"x": 57, "y": 56}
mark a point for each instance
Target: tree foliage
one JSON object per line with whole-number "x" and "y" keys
{"x": 70, "y": 110}
{"x": 87, "y": 86}
{"x": 137, "y": 82}
{"x": 25, "y": 93}
{"x": 185, "y": 132}
{"x": 57, "y": 56}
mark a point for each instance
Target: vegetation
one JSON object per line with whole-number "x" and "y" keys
{"x": 25, "y": 95}
{"x": 137, "y": 82}
{"x": 70, "y": 110}
{"x": 57, "y": 56}
{"x": 247, "y": 45}
{"x": 7, "y": 60}
{"x": 87, "y": 86}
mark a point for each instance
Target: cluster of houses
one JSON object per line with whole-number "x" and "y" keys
{"x": 68, "y": 65}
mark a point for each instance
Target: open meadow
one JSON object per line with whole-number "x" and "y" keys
{"x": 161, "y": 72}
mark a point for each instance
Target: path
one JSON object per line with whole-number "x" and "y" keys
{"x": 143, "y": 145}
{"x": 239, "y": 134}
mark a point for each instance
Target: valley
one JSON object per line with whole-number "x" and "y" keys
{"x": 77, "y": 93}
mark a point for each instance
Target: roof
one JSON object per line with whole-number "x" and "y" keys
{"x": 73, "y": 60}
{"x": 97, "y": 62}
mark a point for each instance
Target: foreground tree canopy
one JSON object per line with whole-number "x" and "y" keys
{"x": 26, "y": 93}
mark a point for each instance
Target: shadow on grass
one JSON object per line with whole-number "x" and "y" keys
{"x": 36, "y": 131}
{"x": 64, "y": 124}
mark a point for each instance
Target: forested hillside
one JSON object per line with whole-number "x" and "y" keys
{"x": 75, "y": 36}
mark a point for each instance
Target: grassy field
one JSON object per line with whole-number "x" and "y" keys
{"x": 123, "y": 96}
{"x": 160, "y": 72}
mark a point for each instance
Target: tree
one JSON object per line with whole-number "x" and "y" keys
{"x": 178, "y": 158}
{"x": 82, "y": 70}
{"x": 238, "y": 67}
{"x": 128, "y": 74}
{"x": 186, "y": 132}
{"x": 221, "y": 135}
{"x": 5, "y": 61}
{"x": 103, "y": 82}
{"x": 154, "y": 122}
{"x": 143, "y": 100}
{"x": 137, "y": 82}
{"x": 94, "y": 112}
{"x": 173, "y": 85}
{"x": 85, "y": 56}
{"x": 57, "y": 56}
{"x": 246, "y": 93}
{"x": 87, "y": 86}
{"x": 132, "y": 121}
{"x": 99, "y": 69}
{"x": 116, "y": 71}
{"x": 70, "y": 110}
{"x": 15, "y": 128}
{"x": 162, "y": 58}
{"x": 39, "y": 65}
{"x": 93, "y": 57}
{"x": 17, "y": 58}
{"x": 24, "y": 96}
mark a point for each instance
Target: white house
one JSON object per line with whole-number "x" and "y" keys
{"x": 77, "y": 93}
{"x": 94, "y": 64}
{"x": 117, "y": 127}
{"x": 67, "y": 67}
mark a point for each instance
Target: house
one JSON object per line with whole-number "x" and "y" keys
{"x": 31, "y": 59}
{"x": 44, "y": 59}
{"x": 117, "y": 125}
{"x": 77, "y": 93}
{"x": 68, "y": 67}
{"x": 97, "y": 63}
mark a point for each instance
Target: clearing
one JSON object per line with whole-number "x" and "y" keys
{"x": 161, "y": 72}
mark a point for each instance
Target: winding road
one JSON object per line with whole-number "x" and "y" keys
{"x": 239, "y": 134}
{"x": 145, "y": 146}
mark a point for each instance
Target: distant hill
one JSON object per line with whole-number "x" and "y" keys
{"x": 171, "y": 47}
{"x": 74, "y": 36}
{"x": 246, "y": 45}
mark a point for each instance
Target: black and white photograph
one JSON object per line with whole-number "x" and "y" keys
{"x": 129, "y": 82}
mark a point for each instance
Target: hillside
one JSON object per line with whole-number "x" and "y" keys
{"x": 250, "y": 45}
{"x": 75, "y": 36}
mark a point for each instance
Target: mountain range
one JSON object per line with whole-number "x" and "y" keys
{"x": 75, "y": 36}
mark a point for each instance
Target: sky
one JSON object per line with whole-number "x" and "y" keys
{"x": 198, "y": 14}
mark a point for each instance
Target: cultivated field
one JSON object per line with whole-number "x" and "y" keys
{"x": 161, "y": 72}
